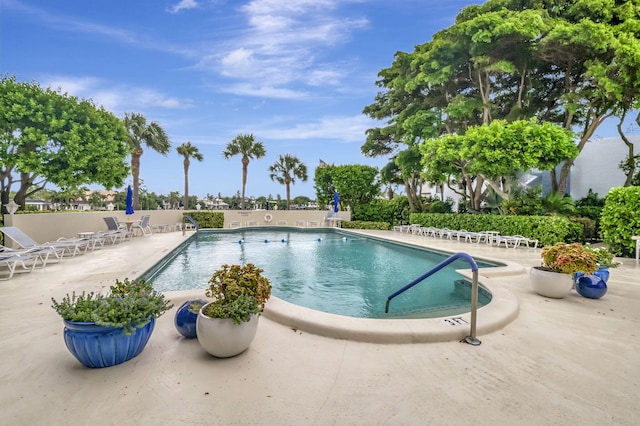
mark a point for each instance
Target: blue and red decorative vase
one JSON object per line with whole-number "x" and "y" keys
{"x": 591, "y": 286}
{"x": 185, "y": 320}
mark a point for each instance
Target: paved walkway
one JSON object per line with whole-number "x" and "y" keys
{"x": 573, "y": 361}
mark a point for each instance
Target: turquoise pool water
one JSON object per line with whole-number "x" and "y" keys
{"x": 326, "y": 270}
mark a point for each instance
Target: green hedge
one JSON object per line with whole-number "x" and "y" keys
{"x": 206, "y": 219}
{"x": 360, "y": 224}
{"x": 621, "y": 219}
{"x": 547, "y": 229}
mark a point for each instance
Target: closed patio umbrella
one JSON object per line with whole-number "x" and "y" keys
{"x": 129, "y": 201}
{"x": 336, "y": 200}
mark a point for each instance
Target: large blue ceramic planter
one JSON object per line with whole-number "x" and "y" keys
{"x": 97, "y": 347}
{"x": 185, "y": 320}
{"x": 591, "y": 286}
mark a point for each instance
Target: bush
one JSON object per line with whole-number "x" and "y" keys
{"x": 546, "y": 229}
{"x": 621, "y": 219}
{"x": 207, "y": 219}
{"x": 360, "y": 224}
{"x": 395, "y": 211}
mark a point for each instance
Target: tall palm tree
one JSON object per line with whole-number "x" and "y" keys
{"x": 188, "y": 151}
{"x": 249, "y": 148}
{"x": 152, "y": 135}
{"x": 286, "y": 170}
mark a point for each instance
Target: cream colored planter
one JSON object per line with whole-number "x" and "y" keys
{"x": 551, "y": 284}
{"x": 222, "y": 338}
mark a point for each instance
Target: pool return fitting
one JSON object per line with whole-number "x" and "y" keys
{"x": 471, "y": 338}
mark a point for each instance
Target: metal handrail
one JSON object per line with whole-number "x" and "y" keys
{"x": 471, "y": 338}
{"x": 184, "y": 230}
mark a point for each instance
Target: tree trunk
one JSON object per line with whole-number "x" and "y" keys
{"x": 631, "y": 160}
{"x": 287, "y": 184}
{"x": 245, "y": 167}
{"x": 186, "y": 183}
{"x": 135, "y": 174}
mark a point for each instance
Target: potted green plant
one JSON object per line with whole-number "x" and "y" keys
{"x": 226, "y": 326}
{"x": 102, "y": 330}
{"x": 554, "y": 278}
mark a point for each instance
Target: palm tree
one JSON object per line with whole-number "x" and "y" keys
{"x": 286, "y": 170}
{"x": 188, "y": 151}
{"x": 152, "y": 135}
{"x": 249, "y": 148}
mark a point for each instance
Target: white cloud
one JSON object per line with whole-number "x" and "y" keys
{"x": 183, "y": 5}
{"x": 115, "y": 98}
{"x": 283, "y": 46}
{"x": 346, "y": 129}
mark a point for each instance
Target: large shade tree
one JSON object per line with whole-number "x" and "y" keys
{"x": 572, "y": 63}
{"x": 286, "y": 170}
{"x": 188, "y": 151}
{"x": 141, "y": 133}
{"x": 248, "y": 148}
{"x": 50, "y": 137}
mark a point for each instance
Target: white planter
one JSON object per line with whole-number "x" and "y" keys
{"x": 551, "y": 284}
{"x": 222, "y": 338}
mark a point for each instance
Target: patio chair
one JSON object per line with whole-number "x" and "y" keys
{"x": 11, "y": 261}
{"x": 115, "y": 231}
{"x": 72, "y": 246}
{"x": 144, "y": 226}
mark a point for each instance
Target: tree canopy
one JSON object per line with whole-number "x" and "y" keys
{"x": 142, "y": 134}
{"x": 49, "y": 137}
{"x": 286, "y": 170}
{"x": 356, "y": 184}
{"x": 572, "y": 63}
{"x": 487, "y": 154}
{"x": 246, "y": 146}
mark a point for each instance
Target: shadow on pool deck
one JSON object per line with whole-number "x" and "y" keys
{"x": 568, "y": 361}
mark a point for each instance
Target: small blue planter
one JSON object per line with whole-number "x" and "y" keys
{"x": 603, "y": 273}
{"x": 96, "y": 346}
{"x": 591, "y": 286}
{"x": 185, "y": 320}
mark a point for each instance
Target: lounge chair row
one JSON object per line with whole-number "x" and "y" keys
{"x": 30, "y": 254}
{"x": 488, "y": 237}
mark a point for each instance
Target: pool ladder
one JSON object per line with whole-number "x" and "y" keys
{"x": 184, "y": 228}
{"x": 471, "y": 338}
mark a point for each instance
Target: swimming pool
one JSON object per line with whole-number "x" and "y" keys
{"x": 326, "y": 270}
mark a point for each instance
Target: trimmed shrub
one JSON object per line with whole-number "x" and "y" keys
{"x": 360, "y": 224}
{"x": 394, "y": 211}
{"x": 547, "y": 229}
{"x": 206, "y": 219}
{"x": 621, "y": 219}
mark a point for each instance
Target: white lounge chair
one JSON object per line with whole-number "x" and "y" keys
{"x": 72, "y": 246}
{"x": 43, "y": 253}
{"x": 12, "y": 261}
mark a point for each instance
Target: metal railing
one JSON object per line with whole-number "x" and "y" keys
{"x": 184, "y": 228}
{"x": 471, "y": 338}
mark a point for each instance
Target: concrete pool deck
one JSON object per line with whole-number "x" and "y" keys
{"x": 559, "y": 362}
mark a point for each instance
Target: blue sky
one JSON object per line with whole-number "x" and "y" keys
{"x": 295, "y": 73}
